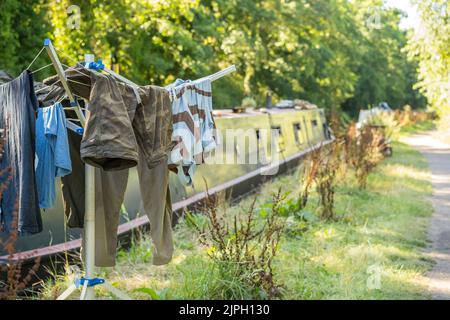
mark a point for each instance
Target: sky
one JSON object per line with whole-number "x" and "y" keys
{"x": 412, "y": 21}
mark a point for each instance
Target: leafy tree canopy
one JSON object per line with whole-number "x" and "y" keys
{"x": 336, "y": 53}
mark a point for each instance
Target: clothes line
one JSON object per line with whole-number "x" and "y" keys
{"x": 100, "y": 66}
{"x": 210, "y": 78}
{"x": 213, "y": 77}
{"x": 216, "y": 76}
{"x": 222, "y": 73}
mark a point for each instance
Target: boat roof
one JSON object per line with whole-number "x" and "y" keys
{"x": 250, "y": 112}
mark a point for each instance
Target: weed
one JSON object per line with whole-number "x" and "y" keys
{"x": 310, "y": 167}
{"x": 15, "y": 283}
{"x": 325, "y": 180}
{"x": 363, "y": 151}
{"x": 244, "y": 248}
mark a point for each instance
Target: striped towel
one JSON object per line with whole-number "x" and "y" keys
{"x": 193, "y": 126}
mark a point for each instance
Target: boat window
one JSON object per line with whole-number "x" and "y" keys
{"x": 314, "y": 123}
{"x": 258, "y": 134}
{"x": 277, "y": 128}
{"x": 280, "y": 142}
{"x": 261, "y": 148}
{"x": 297, "y": 132}
{"x": 326, "y": 131}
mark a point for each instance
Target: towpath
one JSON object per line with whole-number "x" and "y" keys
{"x": 438, "y": 155}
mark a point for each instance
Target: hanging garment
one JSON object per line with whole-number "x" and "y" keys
{"x": 52, "y": 152}
{"x": 138, "y": 133}
{"x": 122, "y": 120}
{"x": 109, "y": 194}
{"x": 193, "y": 126}
{"x": 19, "y": 200}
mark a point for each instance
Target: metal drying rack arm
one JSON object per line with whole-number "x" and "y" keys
{"x": 62, "y": 76}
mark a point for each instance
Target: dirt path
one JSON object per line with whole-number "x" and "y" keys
{"x": 438, "y": 156}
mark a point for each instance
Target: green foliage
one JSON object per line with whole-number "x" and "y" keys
{"x": 203, "y": 279}
{"x": 155, "y": 295}
{"x": 383, "y": 70}
{"x": 388, "y": 122}
{"x": 427, "y": 125}
{"x": 139, "y": 251}
{"x": 23, "y": 29}
{"x": 319, "y": 50}
{"x": 429, "y": 46}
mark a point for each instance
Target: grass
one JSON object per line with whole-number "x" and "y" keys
{"x": 372, "y": 251}
{"x": 419, "y": 127}
{"x": 383, "y": 228}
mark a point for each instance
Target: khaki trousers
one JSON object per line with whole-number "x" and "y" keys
{"x": 109, "y": 196}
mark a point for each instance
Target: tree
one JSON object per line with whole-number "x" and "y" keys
{"x": 319, "y": 50}
{"x": 430, "y": 46}
{"x": 23, "y": 29}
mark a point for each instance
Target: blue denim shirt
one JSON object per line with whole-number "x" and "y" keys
{"x": 52, "y": 152}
